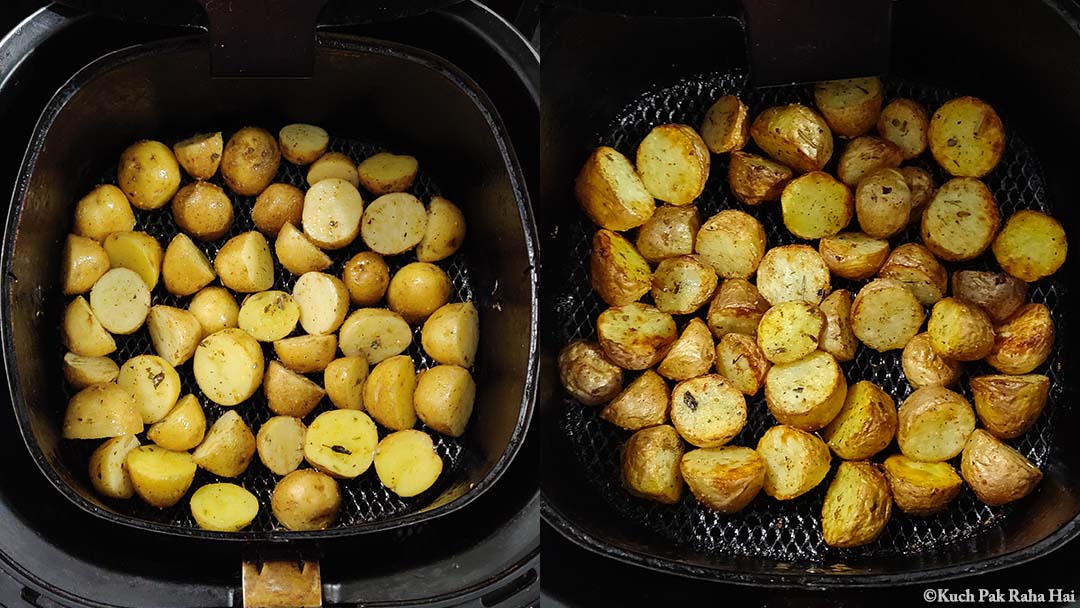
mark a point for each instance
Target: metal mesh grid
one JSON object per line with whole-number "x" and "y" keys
{"x": 364, "y": 499}
{"x": 790, "y": 531}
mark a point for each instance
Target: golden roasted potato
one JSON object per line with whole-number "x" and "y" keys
{"x": 384, "y": 173}
{"x": 858, "y": 505}
{"x": 83, "y": 333}
{"x": 691, "y": 355}
{"x": 333, "y": 165}
{"x": 203, "y": 210}
{"x": 789, "y": 331}
{"x": 853, "y": 255}
{"x": 724, "y": 479}
{"x": 288, "y": 393}
{"x": 923, "y": 366}
{"x": 998, "y": 294}
{"x": 650, "y": 464}
{"x": 618, "y": 273}
{"x": 276, "y": 206}
{"x": 306, "y": 500}
{"x": 1009, "y": 405}
{"x": 182, "y": 428}
{"x": 636, "y": 336}
{"x": 268, "y": 315}
{"x": 794, "y": 135}
{"x": 966, "y": 137}
{"x": 375, "y": 334}
{"x": 737, "y": 308}
{"x": 120, "y": 301}
{"x": 934, "y": 424}
{"x": 921, "y": 488}
{"x": 148, "y": 174}
{"x": 1031, "y": 246}
{"x": 683, "y": 284}
{"x": 960, "y": 331}
{"x": 815, "y": 205}
{"x": 915, "y": 266}
{"x": 215, "y": 308}
{"x": 673, "y": 163}
{"x": 740, "y": 361}
{"x": 922, "y": 190}
{"x": 99, "y": 411}
{"x": 793, "y": 273}
{"x": 416, "y": 291}
{"x": 341, "y": 443}
{"x": 444, "y": 398}
{"x": 297, "y": 253}
{"x": 707, "y": 411}
{"x": 344, "y": 382}
{"x": 866, "y": 155}
{"x": 103, "y": 211}
{"x": 80, "y": 372}
{"x": 153, "y": 383}
{"x": 228, "y": 366}
{"x": 394, "y": 223}
{"x": 136, "y": 251}
{"x": 406, "y": 462}
{"x": 185, "y": 269}
{"x": 865, "y": 425}
{"x": 367, "y": 277}
{"x": 451, "y": 335}
{"x": 108, "y": 472}
{"x": 1024, "y": 341}
{"x": 331, "y": 213}
{"x": 159, "y": 476}
{"x": 755, "y": 179}
{"x": 883, "y": 203}
{"x": 905, "y": 123}
{"x": 228, "y": 447}
{"x": 961, "y": 220}
{"x": 670, "y": 232}
{"x": 200, "y": 154}
{"x": 726, "y": 127}
{"x": 280, "y": 444}
{"x": 303, "y": 144}
{"x": 808, "y": 393}
{"x": 997, "y": 473}
{"x": 445, "y": 231}
{"x": 886, "y": 315}
{"x": 851, "y": 107}
{"x": 224, "y": 507}
{"x": 244, "y": 263}
{"x": 642, "y": 404}
{"x": 85, "y": 260}
{"x": 795, "y": 461}
{"x": 324, "y": 301}
{"x": 388, "y": 393}
{"x": 837, "y": 338}
{"x": 732, "y": 242}
{"x": 250, "y": 161}
{"x": 610, "y": 191}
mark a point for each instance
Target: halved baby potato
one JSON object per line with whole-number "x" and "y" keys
{"x": 451, "y": 335}
{"x": 921, "y": 488}
{"x": 865, "y": 425}
{"x": 344, "y": 380}
{"x": 816, "y": 205}
{"x": 84, "y": 261}
{"x": 278, "y": 205}
{"x": 883, "y": 203}
{"x": 384, "y": 173}
{"x": 915, "y": 266}
{"x": 394, "y": 223}
{"x": 806, "y": 394}
{"x": 642, "y": 404}
{"x": 838, "y": 338}
{"x": 153, "y": 383}
{"x": 794, "y": 135}
{"x": 739, "y": 360}
{"x": 865, "y": 155}
{"x": 683, "y": 284}
{"x": 906, "y": 124}
{"x": 587, "y": 374}
{"x": 726, "y": 126}
{"x": 228, "y": 447}
{"x": 707, "y": 411}
{"x": 793, "y": 273}
{"x": 444, "y": 398}
{"x": 725, "y": 479}
{"x": 136, "y": 251}
{"x": 673, "y": 162}
{"x": 288, "y": 393}
{"x": 120, "y": 301}
{"x": 923, "y": 366}
{"x": 367, "y": 278}
{"x": 215, "y": 308}
{"x": 922, "y": 189}
{"x": 445, "y": 231}
{"x": 83, "y": 334}
{"x": 732, "y": 242}
{"x": 737, "y": 308}
{"x": 323, "y": 301}
{"x": 183, "y": 428}
{"x": 250, "y": 161}
{"x": 103, "y": 211}
{"x": 960, "y": 331}
{"x": 297, "y": 253}
{"x": 303, "y": 144}
{"x": 333, "y": 165}
{"x": 174, "y": 332}
{"x": 388, "y": 393}
{"x": 998, "y": 294}
{"x": 1031, "y": 246}
{"x": 148, "y": 174}
{"x": 228, "y": 366}
{"x": 108, "y": 471}
{"x": 332, "y": 211}
{"x": 853, "y": 255}
{"x": 795, "y": 461}
{"x": 997, "y": 473}
{"x": 160, "y": 477}
{"x": 610, "y": 191}
{"x": 407, "y": 463}
{"x": 80, "y": 372}
{"x": 935, "y": 423}
{"x": 341, "y": 443}
{"x": 1024, "y": 341}
{"x": 375, "y": 334}
{"x": 966, "y": 137}
{"x": 617, "y": 272}
{"x": 244, "y": 263}
{"x": 691, "y": 355}
{"x": 268, "y": 315}
{"x": 416, "y": 291}
{"x": 1009, "y": 405}
{"x": 858, "y": 505}
{"x": 755, "y": 179}
{"x": 886, "y": 315}
{"x": 306, "y": 354}
{"x": 203, "y": 210}
{"x": 670, "y": 232}
{"x": 961, "y": 220}
{"x": 650, "y": 464}
{"x": 185, "y": 269}
{"x": 306, "y": 500}
{"x": 223, "y": 507}
{"x": 99, "y": 411}
{"x": 280, "y": 444}
{"x": 200, "y": 154}
{"x": 790, "y": 331}
{"x": 636, "y": 336}
{"x": 851, "y": 107}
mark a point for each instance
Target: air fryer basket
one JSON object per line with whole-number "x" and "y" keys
{"x": 370, "y": 96}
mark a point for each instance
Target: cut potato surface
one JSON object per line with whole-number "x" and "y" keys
{"x": 961, "y": 220}
{"x": 333, "y": 165}
{"x": 816, "y": 205}
{"x": 851, "y": 107}
{"x": 332, "y": 211}
{"x": 691, "y": 355}
{"x": 934, "y": 424}
{"x": 229, "y": 366}
{"x": 642, "y": 404}
{"x": 280, "y": 444}
{"x": 341, "y": 443}
{"x": 445, "y": 231}
{"x": 375, "y": 334}
{"x": 726, "y": 127}
{"x": 737, "y": 308}
{"x": 394, "y": 223}
{"x": 136, "y": 251}
{"x": 923, "y": 366}
{"x": 384, "y": 173}
{"x": 1024, "y": 341}
{"x": 323, "y": 301}
{"x": 617, "y": 272}
{"x": 883, "y": 203}
{"x": 83, "y": 333}
{"x": 268, "y": 315}
{"x": 960, "y": 331}
{"x": 1031, "y": 246}
{"x": 444, "y": 398}
{"x": 587, "y": 374}
{"x": 864, "y": 156}
{"x": 650, "y": 464}
{"x": 244, "y": 263}
{"x": 915, "y": 266}
{"x": 389, "y": 391}
{"x": 81, "y": 372}
{"x": 185, "y": 268}
{"x": 344, "y": 380}
{"x": 755, "y": 179}
{"x": 739, "y": 360}
{"x": 103, "y": 211}
{"x": 85, "y": 260}
{"x": 407, "y": 463}
{"x": 997, "y": 473}
{"x": 857, "y": 505}
{"x": 303, "y": 144}
{"x": 120, "y": 301}
{"x": 794, "y": 135}
{"x": 707, "y": 411}
{"x": 789, "y": 331}
{"x": 108, "y": 472}
{"x": 906, "y": 124}
{"x": 795, "y": 461}
{"x": 725, "y": 479}
{"x": 886, "y": 315}
{"x": 806, "y": 394}
{"x": 1009, "y": 405}
{"x": 228, "y": 447}
{"x": 636, "y": 336}
{"x": 288, "y": 393}
{"x": 99, "y": 411}
{"x": 921, "y": 488}
{"x": 175, "y": 333}
{"x": 183, "y": 428}
{"x": 793, "y": 273}
{"x": 865, "y": 425}
{"x": 200, "y": 154}
{"x": 683, "y": 284}
{"x": 153, "y": 383}
{"x": 673, "y": 162}
{"x": 853, "y": 255}
{"x": 922, "y": 189}
{"x": 732, "y": 242}
{"x": 610, "y": 191}
{"x": 837, "y": 338}
{"x": 416, "y": 291}
{"x": 159, "y": 476}
{"x": 223, "y": 507}
{"x": 966, "y": 137}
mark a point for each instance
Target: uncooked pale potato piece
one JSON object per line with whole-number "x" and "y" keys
{"x": 853, "y": 255}
{"x": 806, "y": 394}
{"x": 81, "y": 372}
{"x": 375, "y": 334}
{"x": 341, "y": 443}
{"x": 223, "y": 507}
{"x": 886, "y": 315}
{"x": 732, "y": 242}
{"x": 683, "y": 284}
{"x": 650, "y": 464}
{"x": 755, "y": 179}
{"x": 795, "y": 135}
{"x": 394, "y": 223}
{"x": 998, "y": 294}
{"x": 724, "y": 479}
{"x": 333, "y": 165}
{"x": 174, "y": 332}
{"x": 250, "y": 161}
{"x": 288, "y": 393}
{"x": 643, "y": 404}
{"x": 617, "y": 272}
{"x": 921, "y": 488}
{"x": 280, "y": 444}
{"x": 922, "y": 190}
{"x": 934, "y": 424}
{"x": 905, "y": 123}
{"x": 83, "y": 333}
{"x": 737, "y": 308}
{"x": 815, "y": 205}
{"x": 148, "y": 174}
{"x": 103, "y": 211}
{"x": 739, "y": 360}
{"x": 691, "y": 355}
{"x": 228, "y": 447}
{"x": 707, "y": 411}
{"x": 367, "y": 278}
{"x": 915, "y": 266}
{"x": 153, "y": 383}
{"x": 306, "y": 500}
{"x": 85, "y": 260}
{"x": 303, "y": 144}
{"x": 344, "y": 379}
{"x": 244, "y": 263}
{"x": 268, "y": 315}
{"x": 864, "y": 156}
{"x": 407, "y": 463}
{"x": 186, "y": 268}
{"x": 444, "y": 398}
{"x": 323, "y": 302}
{"x": 960, "y": 331}
{"x": 789, "y": 331}
{"x": 961, "y": 220}
{"x": 587, "y": 374}
{"x": 883, "y": 203}
{"x": 99, "y": 411}
{"x": 384, "y": 173}
{"x": 136, "y": 251}
{"x": 865, "y": 425}
{"x": 120, "y": 301}
{"x": 997, "y": 473}
{"x": 851, "y": 107}
{"x": 837, "y": 338}
{"x": 793, "y": 273}
{"x": 611, "y": 193}
{"x": 332, "y": 211}
{"x": 636, "y": 336}
{"x": 200, "y": 154}
{"x": 159, "y": 476}
{"x": 108, "y": 472}
{"x": 388, "y": 393}
{"x": 795, "y": 461}
{"x": 1032, "y": 245}
{"x": 416, "y": 291}
{"x": 924, "y": 367}
{"x": 726, "y": 127}
{"x": 215, "y": 308}
{"x": 297, "y": 253}
{"x": 1009, "y": 405}
{"x": 445, "y": 231}
{"x": 182, "y": 428}
{"x": 278, "y": 205}
{"x": 1024, "y": 341}
{"x": 673, "y": 162}
{"x": 451, "y": 335}
{"x": 966, "y": 137}
{"x": 306, "y": 354}
{"x": 857, "y": 505}
{"x": 228, "y": 366}
{"x": 203, "y": 210}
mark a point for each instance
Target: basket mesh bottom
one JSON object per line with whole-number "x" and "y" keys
{"x": 791, "y": 531}
{"x": 364, "y": 499}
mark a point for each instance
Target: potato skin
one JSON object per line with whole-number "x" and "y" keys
{"x": 85, "y": 260}
{"x": 998, "y": 294}
{"x": 865, "y": 425}
{"x": 1024, "y": 341}
{"x": 853, "y": 255}
{"x": 915, "y": 266}
{"x": 922, "y": 189}
{"x": 691, "y": 355}
{"x": 737, "y": 308}
{"x": 587, "y": 374}
{"x": 200, "y": 154}
{"x": 921, "y": 488}
{"x": 966, "y": 137}
{"x": 276, "y": 206}
{"x": 643, "y": 404}
{"x": 960, "y": 331}
{"x": 367, "y": 278}
{"x": 725, "y": 479}
{"x": 610, "y": 191}
{"x": 103, "y": 211}
{"x": 794, "y": 135}
{"x": 865, "y": 155}
{"x": 1031, "y": 246}
{"x": 755, "y": 179}
{"x": 306, "y": 500}
{"x": 650, "y": 464}
{"x": 670, "y": 232}
{"x": 726, "y": 126}
{"x": 883, "y": 202}
{"x": 148, "y": 174}
{"x": 997, "y": 473}
{"x": 924, "y": 367}
{"x": 618, "y": 273}
{"x": 795, "y": 461}
{"x": 739, "y": 359}
{"x": 203, "y": 210}
{"x": 837, "y": 338}
{"x": 636, "y": 336}
{"x": 934, "y": 425}
{"x": 250, "y": 161}
{"x": 858, "y": 505}
{"x": 851, "y": 107}
{"x": 1009, "y": 405}
{"x": 445, "y": 231}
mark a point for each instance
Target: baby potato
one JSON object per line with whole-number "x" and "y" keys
{"x": 80, "y": 372}
{"x": 444, "y": 398}
{"x": 103, "y": 211}
{"x": 288, "y": 393}
{"x": 997, "y": 473}
{"x": 883, "y": 203}
{"x": 394, "y": 223}
{"x": 388, "y": 393}
{"x": 740, "y": 361}
{"x": 587, "y": 374}
{"x": 331, "y": 214}
{"x": 815, "y": 205}
{"x": 853, "y": 255}
{"x": 1009, "y": 405}
{"x": 244, "y": 263}
{"x": 851, "y": 107}
{"x": 934, "y": 424}
{"x": 960, "y": 331}
{"x": 960, "y": 221}
{"x": 806, "y": 394}
{"x": 837, "y": 338}
{"x": 966, "y": 137}
{"x": 83, "y": 333}
{"x": 108, "y": 473}
{"x": 160, "y": 477}
{"x": 297, "y": 253}
{"x": 203, "y": 210}
{"x": 726, "y": 127}
{"x": 136, "y": 251}
{"x": 922, "y": 190}
{"x": 280, "y": 444}
{"x": 99, "y": 411}
{"x": 617, "y": 272}
{"x": 866, "y": 155}
{"x": 737, "y": 308}
{"x": 228, "y": 447}
{"x": 998, "y": 294}
{"x": 445, "y": 231}
{"x": 905, "y": 123}
{"x": 923, "y": 366}
{"x": 707, "y": 411}
{"x": 186, "y": 268}
{"x": 407, "y": 463}
{"x": 886, "y": 315}
{"x": 858, "y": 505}
{"x": 183, "y": 428}
{"x": 611, "y": 193}
{"x": 228, "y": 366}
{"x": 200, "y": 154}
{"x": 85, "y": 260}
{"x": 915, "y": 266}
{"x": 276, "y": 206}
{"x": 643, "y": 404}
{"x": 724, "y": 479}
{"x": 344, "y": 382}
{"x": 341, "y": 443}
{"x": 268, "y": 315}
{"x": 865, "y": 425}
{"x": 755, "y": 179}
{"x": 683, "y": 284}
{"x": 691, "y": 355}
{"x": 673, "y": 163}
{"x": 650, "y": 464}
{"x": 153, "y": 383}
{"x": 303, "y": 144}
{"x": 794, "y": 135}
{"x": 793, "y": 273}
{"x": 921, "y": 488}
{"x": 1031, "y": 246}
{"x": 789, "y": 331}
{"x": 384, "y": 173}
{"x": 670, "y": 232}
{"x": 451, "y": 335}
{"x": 732, "y": 242}
{"x": 250, "y": 161}
{"x": 636, "y": 336}
{"x": 306, "y": 354}
{"x": 1024, "y": 341}
{"x": 795, "y": 461}
{"x": 223, "y": 507}
{"x": 148, "y": 174}
{"x": 215, "y": 308}
{"x": 306, "y": 500}
{"x": 333, "y": 165}
{"x": 120, "y": 301}
{"x": 367, "y": 277}
{"x": 375, "y": 334}
{"x": 416, "y": 291}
